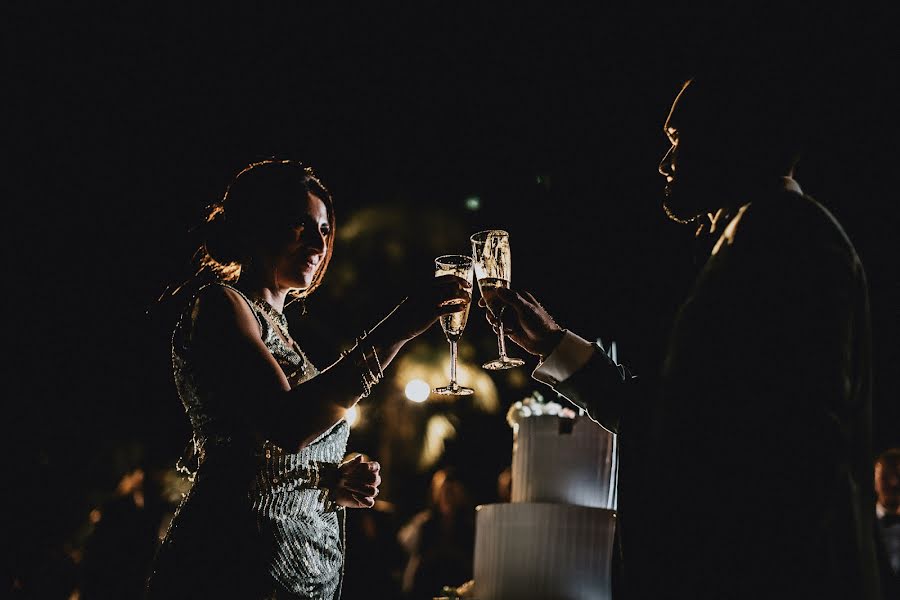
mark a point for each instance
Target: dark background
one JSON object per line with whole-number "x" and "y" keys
{"x": 123, "y": 126}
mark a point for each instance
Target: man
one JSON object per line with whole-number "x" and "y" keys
{"x": 746, "y": 463}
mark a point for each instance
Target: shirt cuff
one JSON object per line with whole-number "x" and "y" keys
{"x": 572, "y": 353}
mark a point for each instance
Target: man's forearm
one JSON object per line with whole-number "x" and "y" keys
{"x": 582, "y": 373}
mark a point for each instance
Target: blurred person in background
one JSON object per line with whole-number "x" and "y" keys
{"x": 504, "y": 485}
{"x": 118, "y": 552}
{"x": 440, "y": 540}
{"x": 887, "y": 522}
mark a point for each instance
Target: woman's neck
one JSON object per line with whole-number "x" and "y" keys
{"x": 263, "y": 286}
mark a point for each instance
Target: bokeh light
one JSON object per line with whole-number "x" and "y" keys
{"x": 352, "y": 416}
{"x": 417, "y": 390}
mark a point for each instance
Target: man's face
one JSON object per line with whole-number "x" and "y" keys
{"x": 668, "y": 164}
{"x": 691, "y": 166}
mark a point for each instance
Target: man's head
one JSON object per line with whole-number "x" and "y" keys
{"x": 887, "y": 480}
{"x": 731, "y": 131}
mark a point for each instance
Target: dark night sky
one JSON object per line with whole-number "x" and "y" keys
{"x": 125, "y": 125}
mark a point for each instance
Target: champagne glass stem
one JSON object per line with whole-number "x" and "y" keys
{"x": 453, "y": 383}
{"x": 501, "y": 339}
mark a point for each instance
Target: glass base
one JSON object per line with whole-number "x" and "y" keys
{"x": 453, "y": 389}
{"x": 499, "y": 364}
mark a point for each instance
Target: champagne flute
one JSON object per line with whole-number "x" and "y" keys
{"x": 493, "y": 269}
{"x": 454, "y": 323}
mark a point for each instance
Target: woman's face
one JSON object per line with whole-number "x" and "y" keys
{"x": 303, "y": 250}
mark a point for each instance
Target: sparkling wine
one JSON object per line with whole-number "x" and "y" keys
{"x": 493, "y": 270}
{"x": 454, "y": 324}
{"x": 488, "y": 287}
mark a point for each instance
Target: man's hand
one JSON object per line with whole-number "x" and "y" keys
{"x": 528, "y": 324}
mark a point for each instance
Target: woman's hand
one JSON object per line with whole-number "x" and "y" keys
{"x": 436, "y": 296}
{"x": 357, "y": 484}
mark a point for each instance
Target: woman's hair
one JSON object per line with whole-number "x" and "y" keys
{"x": 262, "y": 196}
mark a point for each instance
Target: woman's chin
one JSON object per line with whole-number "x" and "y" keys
{"x": 299, "y": 283}
{"x": 305, "y": 278}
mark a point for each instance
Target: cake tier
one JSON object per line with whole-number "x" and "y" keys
{"x": 564, "y": 461}
{"x": 542, "y": 551}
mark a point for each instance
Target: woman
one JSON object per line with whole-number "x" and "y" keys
{"x": 264, "y": 516}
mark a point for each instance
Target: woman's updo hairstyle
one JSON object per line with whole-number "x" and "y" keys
{"x": 262, "y": 197}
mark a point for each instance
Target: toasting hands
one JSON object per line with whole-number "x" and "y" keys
{"x": 436, "y": 296}
{"x": 528, "y": 324}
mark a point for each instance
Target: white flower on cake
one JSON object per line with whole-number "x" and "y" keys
{"x": 533, "y": 406}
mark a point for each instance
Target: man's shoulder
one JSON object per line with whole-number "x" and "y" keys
{"x": 792, "y": 220}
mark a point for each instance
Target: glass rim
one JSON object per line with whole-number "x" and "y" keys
{"x": 487, "y": 231}
{"x": 450, "y": 258}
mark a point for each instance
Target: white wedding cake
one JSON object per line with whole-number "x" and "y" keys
{"x": 554, "y": 540}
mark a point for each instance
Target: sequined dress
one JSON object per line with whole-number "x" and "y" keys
{"x": 253, "y": 524}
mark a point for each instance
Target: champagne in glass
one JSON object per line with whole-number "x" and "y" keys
{"x": 454, "y": 323}
{"x": 488, "y": 287}
{"x": 493, "y": 269}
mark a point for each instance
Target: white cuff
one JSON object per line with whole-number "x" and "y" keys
{"x": 572, "y": 353}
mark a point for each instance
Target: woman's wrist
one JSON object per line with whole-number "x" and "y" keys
{"x": 329, "y": 479}
{"x": 327, "y": 475}
{"x": 363, "y": 365}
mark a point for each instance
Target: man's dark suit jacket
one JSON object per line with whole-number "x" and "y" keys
{"x": 746, "y": 463}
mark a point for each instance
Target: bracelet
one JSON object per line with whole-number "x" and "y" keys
{"x": 314, "y": 475}
{"x": 367, "y": 387}
{"x": 366, "y": 360}
{"x": 328, "y": 505}
{"x": 327, "y": 478}
{"x": 370, "y": 376}
{"x": 378, "y": 362}
{"x": 365, "y": 363}
{"x": 375, "y": 378}
{"x": 349, "y": 351}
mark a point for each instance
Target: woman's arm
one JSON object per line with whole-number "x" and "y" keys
{"x": 244, "y": 375}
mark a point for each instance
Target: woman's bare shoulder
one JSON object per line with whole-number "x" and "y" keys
{"x": 219, "y": 310}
